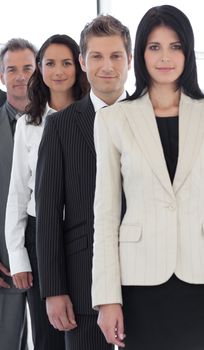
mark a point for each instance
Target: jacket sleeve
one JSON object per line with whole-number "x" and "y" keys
{"x": 49, "y": 195}
{"x": 18, "y": 198}
{"x": 106, "y": 287}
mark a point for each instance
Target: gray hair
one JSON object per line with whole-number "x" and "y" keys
{"x": 15, "y": 44}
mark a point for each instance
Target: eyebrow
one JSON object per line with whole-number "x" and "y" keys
{"x": 158, "y": 43}
{"x": 25, "y": 66}
{"x": 63, "y": 59}
{"x": 99, "y": 52}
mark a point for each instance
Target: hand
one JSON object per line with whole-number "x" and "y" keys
{"x": 60, "y": 312}
{"x": 23, "y": 280}
{"x": 6, "y": 272}
{"x": 110, "y": 320}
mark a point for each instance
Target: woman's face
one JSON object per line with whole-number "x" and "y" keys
{"x": 163, "y": 56}
{"x": 58, "y": 68}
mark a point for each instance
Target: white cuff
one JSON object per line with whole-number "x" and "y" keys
{"x": 19, "y": 261}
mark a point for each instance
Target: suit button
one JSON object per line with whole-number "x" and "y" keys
{"x": 171, "y": 207}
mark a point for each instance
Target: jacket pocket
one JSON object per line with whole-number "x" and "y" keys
{"x": 130, "y": 233}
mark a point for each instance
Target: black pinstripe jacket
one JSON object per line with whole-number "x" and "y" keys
{"x": 65, "y": 186}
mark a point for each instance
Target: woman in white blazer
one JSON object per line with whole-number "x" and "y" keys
{"x": 148, "y": 271}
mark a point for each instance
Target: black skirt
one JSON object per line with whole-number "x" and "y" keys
{"x": 165, "y": 317}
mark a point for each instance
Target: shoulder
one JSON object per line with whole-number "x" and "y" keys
{"x": 69, "y": 114}
{"x": 2, "y": 97}
{"x": 117, "y": 112}
{"x": 196, "y": 106}
{"x": 3, "y": 113}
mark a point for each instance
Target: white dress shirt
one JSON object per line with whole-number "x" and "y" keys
{"x": 98, "y": 103}
{"x": 21, "y": 201}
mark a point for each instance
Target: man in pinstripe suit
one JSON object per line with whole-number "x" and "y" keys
{"x": 65, "y": 183}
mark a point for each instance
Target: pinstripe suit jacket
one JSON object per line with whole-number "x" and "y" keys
{"x": 163, "y": 229}
{"x": 65, "y": 181}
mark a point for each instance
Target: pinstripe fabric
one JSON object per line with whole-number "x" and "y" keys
{"x": 87, "y": 335}
{"x": 65, "y": 178}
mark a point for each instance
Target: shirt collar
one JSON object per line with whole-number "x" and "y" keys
{"x": 13, "y": 113}
{"x": 48, "y": 111}
{"x": 98, "y": 103}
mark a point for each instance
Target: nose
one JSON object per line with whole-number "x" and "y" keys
{"x": 58, "y": 70}
{"x": 165, "y": 56}
{"x": 165, "y": 59}
{"x": 21, "y": 76}
{"x": 107, "y": 65}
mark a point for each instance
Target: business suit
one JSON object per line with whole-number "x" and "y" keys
{"x": 12, "y": 301}
{"x": 163, "y": 224}
{"x": 65, "y": 178}
{"x": 2, "y": 97}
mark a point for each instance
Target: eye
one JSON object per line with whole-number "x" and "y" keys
{"x": 153, "y": 47}
{"x": 50, "y": 64}
{"x": 11, "y": 70}
{"x": 96, "y": 56}
{"x": 28, "y": 69}
{"x": 176, "y": 46}
{"x": 116, "y": 56}
{"x": 67, "y": 63}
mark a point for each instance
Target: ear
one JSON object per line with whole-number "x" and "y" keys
{"x": 82, "y": 62}
{"x": 2, "y": 78}
{"x": 129, "y": 61}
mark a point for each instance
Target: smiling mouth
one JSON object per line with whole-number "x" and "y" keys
{"x": 165, "y": 68}
{"x": 106, "y": 77}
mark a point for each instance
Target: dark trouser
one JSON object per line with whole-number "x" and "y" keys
{"x": 87, "y": 336}
{"x": 45, "y": 337}
{"x": 13, "y": 323}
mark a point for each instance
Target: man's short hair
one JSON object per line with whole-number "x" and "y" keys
{"x": 15, "y": 44}
{"x": 105, "y": 25}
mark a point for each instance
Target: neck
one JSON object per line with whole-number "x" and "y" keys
{"x": 165, "y": 101}
{"x": 18, "y": 103}
{"x": 110, "y": 97}
{"x": 60, "y": 100}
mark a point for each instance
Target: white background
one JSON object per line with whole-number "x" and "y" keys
{"x": 38, "y": 20}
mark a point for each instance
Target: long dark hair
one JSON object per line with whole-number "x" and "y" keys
{"x": 176, "y": 20}
{"x": 39, "y": 93}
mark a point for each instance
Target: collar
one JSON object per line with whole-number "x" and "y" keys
{"x": 98, "y": 103}
{"x": 13, "y": 113}
{"x": 48, "y": 111}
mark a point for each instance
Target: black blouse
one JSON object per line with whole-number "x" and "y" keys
{"x": 169, "y": 135}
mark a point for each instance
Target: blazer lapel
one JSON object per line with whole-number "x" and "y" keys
{"x": 191, "y": 136}
{"x": 143, "y": 124}
{"x": 85, "y": 121}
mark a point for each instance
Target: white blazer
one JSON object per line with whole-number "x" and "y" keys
{"x": 162, "y": 231}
